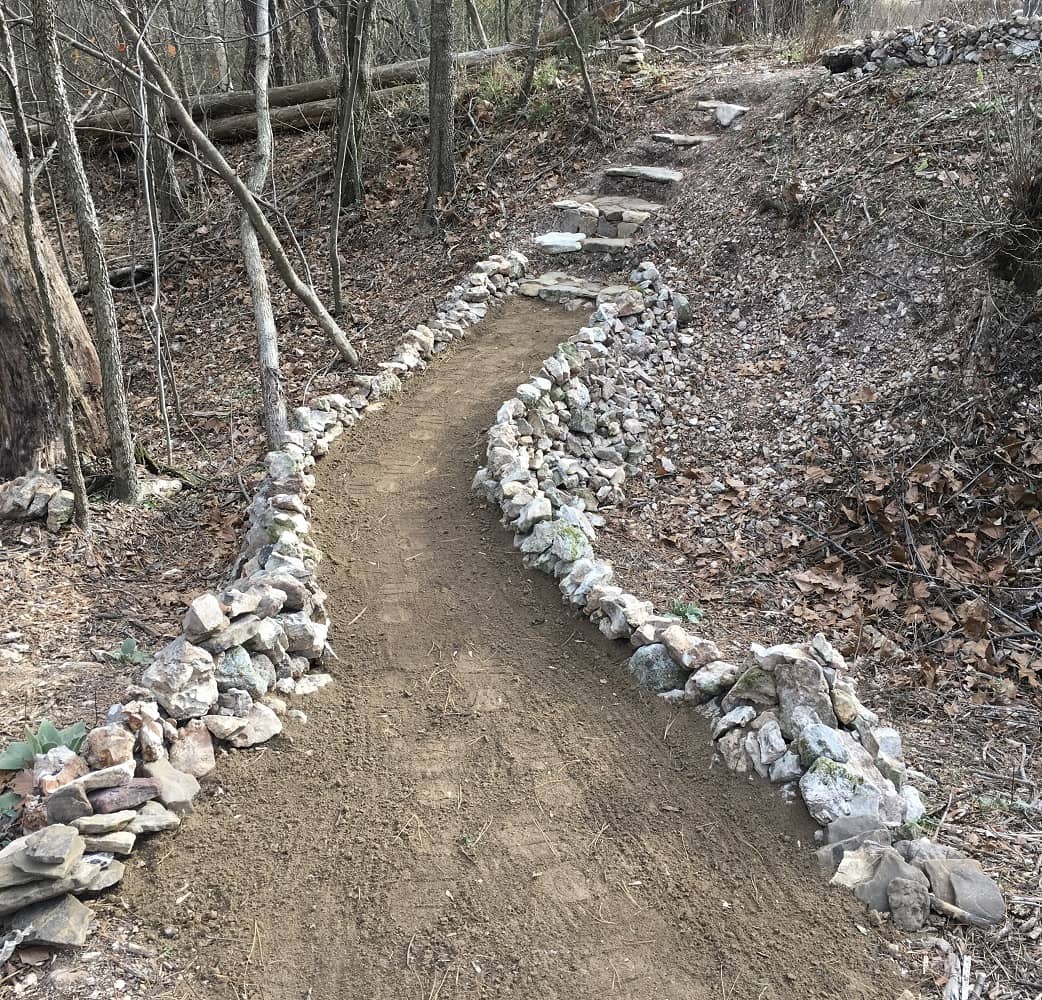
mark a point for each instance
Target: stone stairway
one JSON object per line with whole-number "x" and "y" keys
{"x": 610, "y": 222}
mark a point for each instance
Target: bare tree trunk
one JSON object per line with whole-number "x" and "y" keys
{"x": 155, "y": 155}
{"x": 249, "y": 56}
{"x": 354, "y": 95}
{"x": 272, "y": 391}
{"x": 474, "y": 16}
{"x": 106, "y": 329}
{"x": 442, "y": 165}
{"x": 319, "y": 45}
{"x": 538, "y": 12}
{"x": 261, "y": 225}
{"x": 416, "y": 21}
{"x": 591, "y": 95}
{"x": 279, "y": 68}
{"x": 37, "y": 250}
{"x": 220, "y": 45}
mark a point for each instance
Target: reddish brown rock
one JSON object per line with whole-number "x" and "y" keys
{"x": 107, "y": 746}
{"x": 128, "y": 796}
{"x": 192, "y": 751}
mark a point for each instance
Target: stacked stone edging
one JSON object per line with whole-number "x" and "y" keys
{"x": 223, "y": 679}
{"x": 563, "y": 447}
{"x": 938, "y": 43}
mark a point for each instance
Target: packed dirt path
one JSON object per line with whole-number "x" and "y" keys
{"x": 484, "y": 805}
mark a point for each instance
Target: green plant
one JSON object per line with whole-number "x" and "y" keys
{"x": 21, "y": 753}
{"x": 127, "y": 652}
{"x": 499, "y": 83}
{"x": 545, "y": 74}
{"x": 687, "y": 611}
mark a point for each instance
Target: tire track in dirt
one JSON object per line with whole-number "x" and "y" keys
{"x": 484, "y": 805}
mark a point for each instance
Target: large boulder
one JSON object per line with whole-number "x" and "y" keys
{"x": 831, "y": 790}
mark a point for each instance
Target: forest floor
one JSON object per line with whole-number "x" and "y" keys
{"x": 781, "y": 504}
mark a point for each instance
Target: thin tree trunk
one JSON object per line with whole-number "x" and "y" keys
{"x": 261, "y": 225}
{"x": 319, "y": 45}
{"x": 106, "y": 329}
{"x": 538, "y": 12}
{"x": 474, "y": 17}
{"x": 249, "y": 55}
{"x": 220, "y": 45}
{"x": 351, "y": 108}
{"x": 591, "y": 95}
{"x": 272, "y": 391}
{"x": 278, "y": 70}
{"x": 413, "y": 10}
{"x": 442, "y": 165}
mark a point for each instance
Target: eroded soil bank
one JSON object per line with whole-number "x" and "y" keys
{"x": 484, "y": 805}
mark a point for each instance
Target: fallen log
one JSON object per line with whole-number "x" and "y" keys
{"x": 212, "y": 107}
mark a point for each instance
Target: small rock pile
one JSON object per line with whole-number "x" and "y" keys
{"x": 937, "y": 43}
{"x": 242, "y": 650}
{"x": 560, "y": 450}
{"x": 631, "y": 52}
{"x": 37, "y": 496}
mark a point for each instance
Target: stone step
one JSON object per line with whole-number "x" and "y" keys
{"x": 557, "y": 286}
{"x": 611, "y": 218}
{"x": 656, "y": 175}
{"x": 611, "y": 206}
{"x": 561, "y": 242}
{"x": 682, "y": 140}
{"x": 606, "y": 244}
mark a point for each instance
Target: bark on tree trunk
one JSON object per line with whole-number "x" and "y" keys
{"x": 37, "y": 245}
{"x": 476, "y": 26}
{"x": 538, "y": 10}
{"x": 272, "y": 391}
{"x": 30, "y": 414}
{"x": 220, "y": 45}
{"x": 442, "y": 166}
{"x": 106, "y": 330}
{"x": 319, "y": 45}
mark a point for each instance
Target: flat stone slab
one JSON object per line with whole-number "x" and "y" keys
{"x": 560, "y": 242}
{"x": 612, "y": 206}
{"x": 681, "y": 139}
{"x": 556, "y": 286}
{"x": 723, "y": 112}
{"x": 656, "y": 175}
{"x": 606, "y": 244}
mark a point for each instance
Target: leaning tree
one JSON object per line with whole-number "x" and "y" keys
{"x": 30, "y": 410}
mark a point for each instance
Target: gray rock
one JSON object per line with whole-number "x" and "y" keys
{"x": 236, "y": 670}
{"x": 831, "y": 854}
{"x": 820, "y": 741}
{"x": 108, "y": 872}
{"x": 654, "y": 669}
{"x": 153, "y": 818}
{"x": 67, "y": 803}
{"x": 177, "y": 790}
{"x": 771, "y": 743}
{"x": 755, "y": 686}
{"x": 54, "y": 845}
{"x": 831, "y": 789}
{"x": 182, "y": 679}
{"x": 656, "y": 175}
{"x": 845, "y": 827}
{"x": 786, "y": 768}
{"x": 96, "y": 826}
{"x": 303, "y": 636}
{"x": 120, "y": 842}
{"x": 916, "y": 852}
{"x": 17, "y": 897}
{"x": 961, "y": 882}
{"x": 205, "y": 617}
{"x": 710, "y": 680}
{"x": 909, "y": 903}
{"x": 57, "y": 923}
{"x": 740, "y": 716}
{"x": 802, "y": 685}
{"x": 874, "y": 892}
{"x": 258, "y": 727}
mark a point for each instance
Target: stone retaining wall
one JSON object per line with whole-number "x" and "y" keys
{"x": 563, "y": 447}
{"x": 938, "y": 43}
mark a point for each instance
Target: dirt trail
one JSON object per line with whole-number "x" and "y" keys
{"x": 484, "y": 805}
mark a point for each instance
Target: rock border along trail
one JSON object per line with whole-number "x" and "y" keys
{"x": 485, "y": 804}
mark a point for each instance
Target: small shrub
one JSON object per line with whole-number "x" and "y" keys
{"x": 687, "y": 611}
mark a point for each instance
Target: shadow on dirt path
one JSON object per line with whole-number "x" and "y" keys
{"x": 484, "y": 805}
